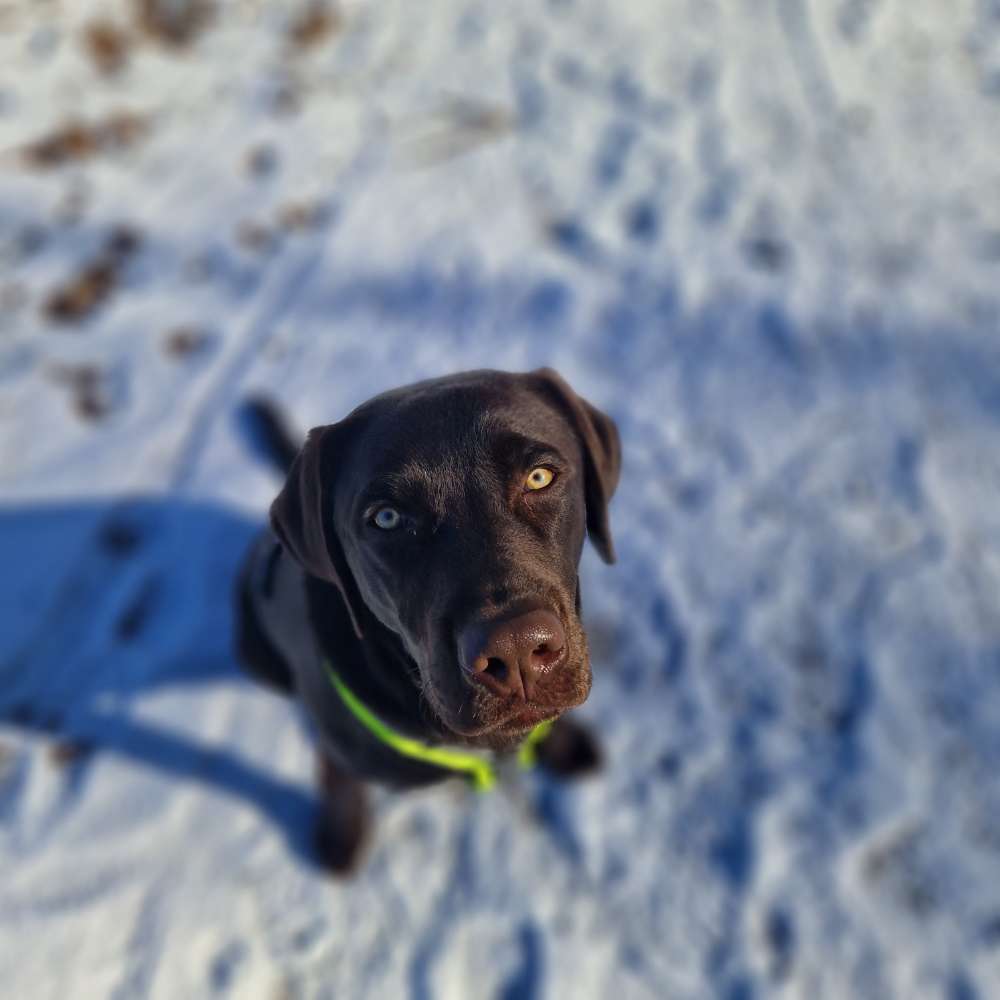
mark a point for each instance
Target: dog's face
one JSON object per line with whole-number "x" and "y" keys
{"x": 454, "y": 512}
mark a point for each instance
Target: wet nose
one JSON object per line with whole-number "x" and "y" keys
{"x": 508, "y": 656}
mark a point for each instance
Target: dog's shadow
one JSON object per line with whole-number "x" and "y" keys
{"x": 101, "y": 602}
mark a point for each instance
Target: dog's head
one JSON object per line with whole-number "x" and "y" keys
{"x": 454, "y": 512}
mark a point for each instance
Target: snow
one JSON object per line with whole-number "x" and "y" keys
{"x": 765, "y": 237}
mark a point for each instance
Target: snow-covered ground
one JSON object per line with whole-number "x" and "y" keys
{"x": 763, "y": 234}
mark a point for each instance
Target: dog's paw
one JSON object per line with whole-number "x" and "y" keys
{"x": 343, "y": 827}
{"x": 570, "y": 750}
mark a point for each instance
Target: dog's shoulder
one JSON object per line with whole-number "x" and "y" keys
{"x": 302, "y": 622}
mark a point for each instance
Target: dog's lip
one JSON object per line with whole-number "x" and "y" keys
{"x": 522, "y": 716}
{"x": 508, "y": 724}
{"x": 529, "y": 717}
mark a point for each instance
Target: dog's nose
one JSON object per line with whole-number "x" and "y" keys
{"x": 508, "y": 656}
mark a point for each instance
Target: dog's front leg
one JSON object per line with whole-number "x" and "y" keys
{"x": 344, "y": 823}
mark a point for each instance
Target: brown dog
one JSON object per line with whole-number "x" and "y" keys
{"x": 422, "y": 572}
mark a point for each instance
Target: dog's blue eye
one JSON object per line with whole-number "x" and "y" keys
{"x": 387, "y": 518}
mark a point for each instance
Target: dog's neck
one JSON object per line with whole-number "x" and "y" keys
{"x": 377, "y": 668}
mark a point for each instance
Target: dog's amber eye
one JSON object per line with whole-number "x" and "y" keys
{"x": 387, "y": 518}
{"x": 539, "y": 478}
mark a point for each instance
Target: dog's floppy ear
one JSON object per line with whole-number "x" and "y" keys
{"x": 302, "y": 514}
{"x": 601, "y": 452}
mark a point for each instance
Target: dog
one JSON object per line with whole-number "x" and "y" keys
{"x": 418, "y": 587}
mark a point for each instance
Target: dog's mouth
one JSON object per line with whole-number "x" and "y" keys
{"x": 518, "y": 718}
{"x": 507, "y": 728}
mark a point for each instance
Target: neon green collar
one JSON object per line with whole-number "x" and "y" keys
{"x": 479, "y": 771}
